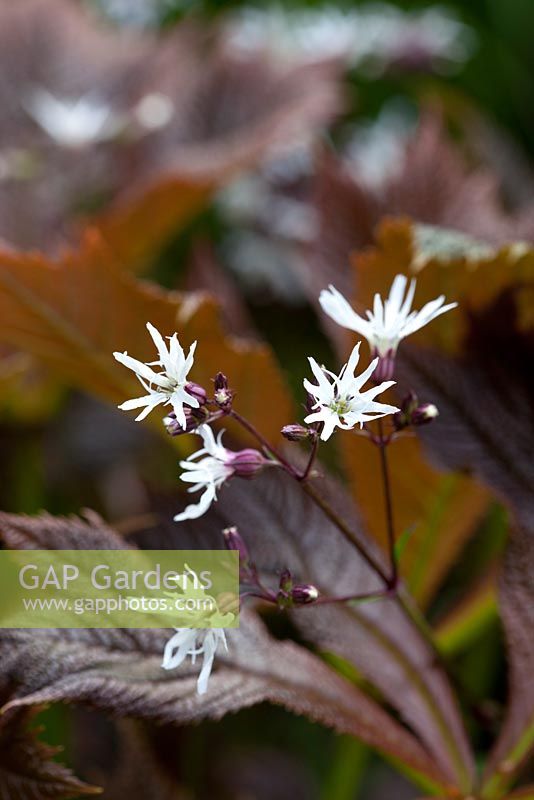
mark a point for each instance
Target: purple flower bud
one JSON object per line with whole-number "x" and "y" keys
{"x": 311, "y": 402}
{"x": 197, "y": 391}
{"x": 403, "y": 418}
{"x": 424, "y": 414}
{"x": 296, "y": 433}
{"x": 410, "y": 403}
{"x": 304, "y": 593}
{"x": 246, "y": 463}
{"x": 234, "y": 541}
{"x": 286, "y": 582}
{"x": 413, "y": 413}
{"x": 193, "y": 416}
{"x": 223, "y": 395}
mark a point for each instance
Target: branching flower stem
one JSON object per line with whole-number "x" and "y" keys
{"x": 382, "y": 443}
{"x": 309, "y": 466}
{"x": 267, "y": 446}
{"x": 391, "y": 589}
{"x": 310, "y": 490}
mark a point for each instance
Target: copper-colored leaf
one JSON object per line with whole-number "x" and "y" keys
{"x": 27, "y": 765}
{"x": 74, "y": 312}
{"x": 516, "y": 602}
{"x": 28, "y": 391}
{"x": 471, "y": 276}
{"x": 189, "y": 111}
{"x": 443, "y": 510}
{"x": 434, "y": 184}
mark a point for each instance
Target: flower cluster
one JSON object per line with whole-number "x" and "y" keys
{"x": 334, "y": 401}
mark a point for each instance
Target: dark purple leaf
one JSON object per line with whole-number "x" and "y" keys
{"x": 283, "y": 528}
{"x": 516, "y": 602}
{"x": 27, "y": 768}
{"x": 485, "y": 400}
{"x": 120, "y": 670}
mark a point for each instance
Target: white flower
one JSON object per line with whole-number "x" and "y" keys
{"x": 209, "y": 473}
{"x": 212, "y": 471}
{"x": 339, "y": 400}
{"x": 168, "y": 386}
{"x": 72, "y": 122}
{"x": 390, "y": 320}
{"x": 194, "y": 642}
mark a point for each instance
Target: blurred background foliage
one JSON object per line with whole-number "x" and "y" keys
{"x": 62, "y": 450}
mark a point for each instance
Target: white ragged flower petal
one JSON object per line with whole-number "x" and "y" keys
{"x": 194, "y": 642}
{"x": 168, "y": 386}
{"x": 207, "y": 468}
{"x": 390, "y": 321}
{"x": 339, "y": 401}
{"x": 211, "y": 466}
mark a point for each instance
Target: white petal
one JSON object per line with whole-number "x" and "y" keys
{"x": 158, "y": 379}
{"x": 361, "y": 380}
{"x": 177, "y": 355}
{"x": 194, "y": 511}
{"x": 396, "y": 294}
{"x": 187, "y": 364}
{"x": 208, "y": 438}
{"x": 408, "y": 300}
{"x": 339, "y": 309}
{"x": 178, "y": 647}
{"x": 178, "y": 409}
{"x": 150, "y": 401}
{"x": 370, "y": 394}
{"x": 318, "y": 416}
{"x": 161, "y": 347}
{"x": 180, "y": 395}
{"x": 210, "y": 647}
{"x": 324, "y": 383}
{"x": 329, "y": 426}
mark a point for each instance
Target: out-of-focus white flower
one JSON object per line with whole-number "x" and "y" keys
{"x": 170, "y": 386}
{"x": 339, "y": 402}
{"x": 390, "y": 321}
{"x": 217, "y": 466}
{"x": 72, "y": 122}
{"x": 194, "y": 642}
{"x": 376, "y": 149}
{"x": 371, "y": 37}
{"x": 154, "y": 111}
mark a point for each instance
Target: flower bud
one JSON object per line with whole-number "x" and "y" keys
{"x": 424, "y": 414}
{"x": 403, "y": 418}
{"x": 234, "y": 541}
{"x": 286, "y": 581}
{"x": 193, "y": 416}
{"x": 247, "y": 463}
{"x": 196, "y": 391}
{"x": 304, "y": 593}
{"x": 310, "y": 403}
{"x": 223, "y": 395}
{"x": 296, "y": 433}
